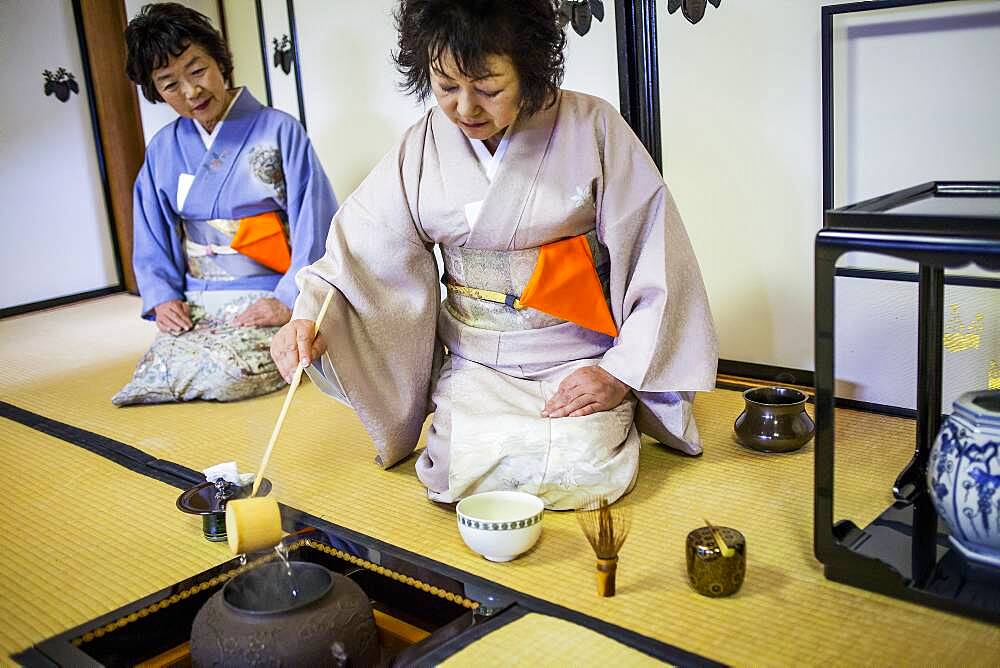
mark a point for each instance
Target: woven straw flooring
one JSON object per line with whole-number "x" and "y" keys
{"x": 66, "y": 364}
{"x": 83, "y": 536}
{"x": 540, "y": 640}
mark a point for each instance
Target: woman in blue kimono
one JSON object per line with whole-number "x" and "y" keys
{"x": 230, "y": 202}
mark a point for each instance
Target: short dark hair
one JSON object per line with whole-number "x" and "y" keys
{"x": 164, "y": 30}
{"x": 526, "y": 31}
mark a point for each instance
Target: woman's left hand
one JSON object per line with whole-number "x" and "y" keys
{"x": 585, "y": 391}
{"x": 266, "y": 312}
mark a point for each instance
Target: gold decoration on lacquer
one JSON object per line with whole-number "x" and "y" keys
{"x": 716, "y": 560}
{"x": 994, "y": 376}
{"x": 959, "y": 336}
{"x": 606, "y": 527}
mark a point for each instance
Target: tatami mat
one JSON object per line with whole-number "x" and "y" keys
{"x": 67, "y": 363}
{"x": 540, "y": 640}
{"x": 83, "y": 536}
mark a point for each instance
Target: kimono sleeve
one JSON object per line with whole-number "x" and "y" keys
{"x": 311, "y": 206}
{"x": 380, "y": 329}
{"x": 667, "y": 340}
{"x": 157, "y": 257}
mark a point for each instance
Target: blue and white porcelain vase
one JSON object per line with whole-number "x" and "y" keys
{"x": 964, "y": 475}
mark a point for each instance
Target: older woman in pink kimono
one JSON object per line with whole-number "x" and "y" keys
{"x": 575, "y": 315}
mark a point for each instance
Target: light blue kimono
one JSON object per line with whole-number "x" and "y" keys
{"x": 261, "y": 161}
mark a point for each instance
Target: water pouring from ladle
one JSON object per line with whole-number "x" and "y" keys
{"x": 254, "y": 523}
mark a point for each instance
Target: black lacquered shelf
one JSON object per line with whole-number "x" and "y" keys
{"x": 905, "y": 552}
{"x": 951, "y": 208}
{"x": 920, "y": 559}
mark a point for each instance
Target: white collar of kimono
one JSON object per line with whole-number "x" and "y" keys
{"x": 207, "y": 138}
{"x": 491, "y": 162}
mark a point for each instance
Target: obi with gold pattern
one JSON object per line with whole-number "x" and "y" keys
{"x": 225, "y": 250}
{"x": 531, "y": 288}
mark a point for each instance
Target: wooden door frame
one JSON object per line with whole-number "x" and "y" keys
{"x": 121, "y": 145}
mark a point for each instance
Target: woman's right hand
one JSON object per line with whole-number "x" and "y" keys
{"x": 173, "y": 317}
{"x": 293, "y": 345}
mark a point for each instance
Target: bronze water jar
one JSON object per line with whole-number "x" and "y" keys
{"x": 774, "y": 420}
{"x": 256, "y": 620}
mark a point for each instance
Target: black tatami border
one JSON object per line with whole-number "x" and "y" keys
{"x": 183, "y": 477}
{"x": 120, "y": 453}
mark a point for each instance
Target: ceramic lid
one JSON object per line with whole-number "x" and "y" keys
{"x": 204, "y": 499}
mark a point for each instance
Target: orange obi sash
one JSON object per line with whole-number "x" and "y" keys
{"x": 262, "y": 238}
{"x": 564, "y": 283}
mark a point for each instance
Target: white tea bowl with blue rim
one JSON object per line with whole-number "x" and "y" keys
{"x": 963, "y": 474}
{"x": 500, "y": 525}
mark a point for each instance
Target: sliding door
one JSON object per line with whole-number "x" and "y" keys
{"x": 55, "y": 237}
{"x": 278, "y": 36}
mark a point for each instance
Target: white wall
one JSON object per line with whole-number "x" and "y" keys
{"x": 244, "y": 43}
{"x": 354, "y": 110}
{"x": 55, "y": 239}
{"x": 933, "y": 118}
{"x": 917, "y": 99}
{"x": 592, "y": 60}
{"x": 740, "y": 114}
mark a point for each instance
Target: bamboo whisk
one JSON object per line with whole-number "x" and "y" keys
{"x": 606, "y": 527}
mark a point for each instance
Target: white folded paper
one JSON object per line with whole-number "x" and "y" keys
{"x": 227, "y": 471}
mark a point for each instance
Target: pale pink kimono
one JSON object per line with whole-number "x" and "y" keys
{"x": 567, "y": 169}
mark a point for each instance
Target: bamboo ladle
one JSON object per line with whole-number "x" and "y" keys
{"x": 254, "y": 523}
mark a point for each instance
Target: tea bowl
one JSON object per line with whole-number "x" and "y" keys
{"x": 500, "y": 525}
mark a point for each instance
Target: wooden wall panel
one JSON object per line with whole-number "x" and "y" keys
{"x": 118, "y": 117}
